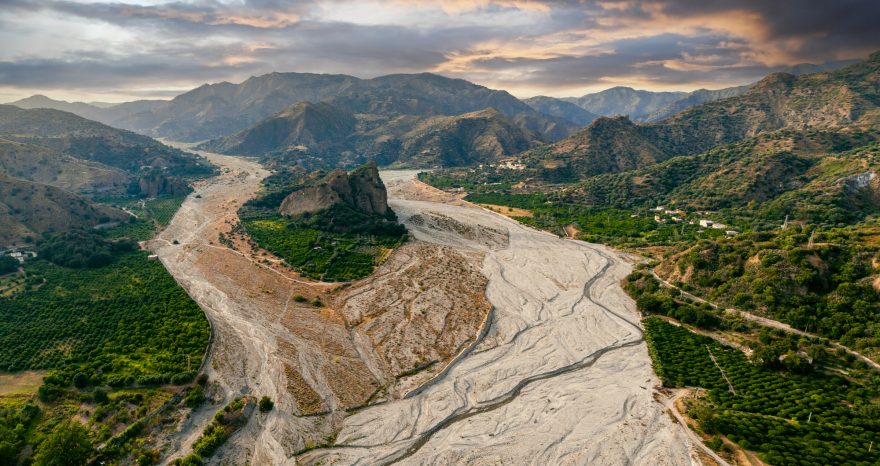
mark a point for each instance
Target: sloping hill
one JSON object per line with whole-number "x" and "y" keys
{"x": 811, "y": 175}
{"x": 472, "y": 138}
{"x": 86, "y": 140}
{"x": 43, "y": 165}
{"x": 82, "y": 109}
{"x": 845, "y": 99}
{"x": 607, "y": 145}
{"x": 305, "y": 126}
{"x": 321, "y": 135}
{"x": 27, "y": 210}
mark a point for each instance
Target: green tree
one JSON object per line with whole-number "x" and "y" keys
{"x": 67, "y": 445}
{"x": 8, "y": 265}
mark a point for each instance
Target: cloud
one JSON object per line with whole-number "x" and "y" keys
{"x": 526, "y": 46}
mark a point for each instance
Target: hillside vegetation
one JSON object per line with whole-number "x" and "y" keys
{"x": 331, "y": 227}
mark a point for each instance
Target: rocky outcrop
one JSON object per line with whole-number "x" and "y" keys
{"x": 361, "y": 189}
{"x": 158, "y": 184}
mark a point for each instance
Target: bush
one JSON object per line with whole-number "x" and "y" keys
{"x": 149, "y": 380}
{"x": 189, "y": 460}
{"x": 100, "y": 396}
{"x": 299, "y": 298}
{"x": 183, "y": 378}
{"x": 266, "y": 404}
{"x": 49, "y": 392}
{"x": 195, "y": 397}
{"x": 202, "y": 379}
{"x": 148, "y": 457}
{"x": 80, "y": 380}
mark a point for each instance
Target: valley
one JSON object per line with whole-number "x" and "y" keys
{"x": 412, "y": 268}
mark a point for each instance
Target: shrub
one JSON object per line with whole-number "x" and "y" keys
{"x": 266, "y": 404}
{"x": 195, "y": 397}
{"x": 80, "y": 380}
{"x": 183, "y": 378}
{"x": 100, "y": 396}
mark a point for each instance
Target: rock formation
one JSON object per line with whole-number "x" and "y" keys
{"x": 361, "y": 189}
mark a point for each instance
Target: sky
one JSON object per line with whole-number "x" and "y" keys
{"x": 94, "y": 50}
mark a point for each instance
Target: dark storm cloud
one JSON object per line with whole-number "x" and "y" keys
{"x": 566, "y": 44}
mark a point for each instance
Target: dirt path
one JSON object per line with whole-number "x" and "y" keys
{"x": 696, "y": 440}
{"x": 562, "y": 375}
{"x": 767, "y": 322}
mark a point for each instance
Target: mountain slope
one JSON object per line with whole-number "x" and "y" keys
{"x": 607, "y": 145}
{"x": 82, "y": 109}
{"x": 312, "y": 127}
{"x": 848, "y": 98}
{"x": 625, "y": 101}
{"x": 28, "y": 210}
{"x": 561, "y": 109}
{"x": 321, "y": 135}
{"x": 94, "y": 142}
{"x": 697, "y": 97}
{"x": 827, "y": 176}
{"x": 47, "y": 166}
{"x": 472, "y": 138}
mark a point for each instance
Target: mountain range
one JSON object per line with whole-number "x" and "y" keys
{"x": 648, "y": 106}
{"x": 425, "y": 120}
{"x": 846, "y": 99}
{"x": 217, "y": 110}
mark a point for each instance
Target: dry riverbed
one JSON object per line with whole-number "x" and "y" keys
{"x": 371, "y": 340}
{"x": 561, "y": 376}
{"x": 412, "y": 364}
